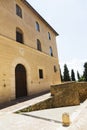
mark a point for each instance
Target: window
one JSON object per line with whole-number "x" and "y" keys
{"x": 39, "y": 45}
{"x": 49, "y": 37}
{"x": 18, "y": 11}
{"x": 19, "y": 35}
{"x": 37, "y": 27}
{"x": 55, "y": 69}
{"x": 40, "y": 73}
{"x": 51, "y": 51}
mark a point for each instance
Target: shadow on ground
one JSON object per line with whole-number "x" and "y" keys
{"x": 23, "y": 99}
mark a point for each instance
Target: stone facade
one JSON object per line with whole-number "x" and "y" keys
{"x": 13, "y": 53}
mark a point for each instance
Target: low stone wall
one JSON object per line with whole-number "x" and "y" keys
{"x": 67, "y": 97}
{"x": 67, "y": 94}
{"x": 80, "y": 87}
{"x": 59, "y": 100}
{"x": 82, "y": 90}
{"x": 46, "y": 104}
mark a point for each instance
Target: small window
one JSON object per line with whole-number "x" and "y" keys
{"x": 37, "y": 27}
{"x": 39, "y": 45}
{"x": 55, "y": 69}
{"x": 40, "y": 73}
{"x": 51, "y": 51}
{"x": 18, "y": 11}
{"x": 49, "y": 37}
{"x": 19, "y": 35}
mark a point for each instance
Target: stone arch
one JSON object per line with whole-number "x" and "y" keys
{"x": 17, "y": 61}
{"x": 20, "y": 81}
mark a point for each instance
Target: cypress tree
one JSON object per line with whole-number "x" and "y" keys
{"x": 66, "y": 76}
{"x": 73, "y": 75}
{"x": 85, "y": 72}
{"x": 78, "y": 75}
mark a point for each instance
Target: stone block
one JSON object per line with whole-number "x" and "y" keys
{"x": 66, "y": 98}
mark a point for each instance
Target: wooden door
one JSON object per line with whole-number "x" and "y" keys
{"x": 20, "y": 81}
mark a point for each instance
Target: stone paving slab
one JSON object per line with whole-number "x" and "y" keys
{"x": 54, "y": 115}
{"x": 11, "y": 121}
{"x": 78, "y": 118}
{"x": 25, "y": 104}
{"x": 21, "y": 122}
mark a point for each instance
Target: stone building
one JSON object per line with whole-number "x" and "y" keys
{"x": 28, "y": 53}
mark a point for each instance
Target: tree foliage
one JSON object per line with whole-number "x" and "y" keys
{"x": 78, "y": 75}
{"x": 66, "y": 76}
{"x": 73, "y": 75}
{"x": 85, "y": 72}
{"x": 80, "y": 78}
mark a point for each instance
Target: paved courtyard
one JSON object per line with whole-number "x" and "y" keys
{"x": 49, "y": 119}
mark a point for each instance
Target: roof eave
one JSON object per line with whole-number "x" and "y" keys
{"x": 28, "y": 5}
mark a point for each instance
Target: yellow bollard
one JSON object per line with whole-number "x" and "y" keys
{"x": 65, "y": 119}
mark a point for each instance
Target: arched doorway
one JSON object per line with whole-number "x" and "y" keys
{"x": 20, "y": 81}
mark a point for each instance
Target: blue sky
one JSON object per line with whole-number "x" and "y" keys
{"x": 69, "y": 19}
